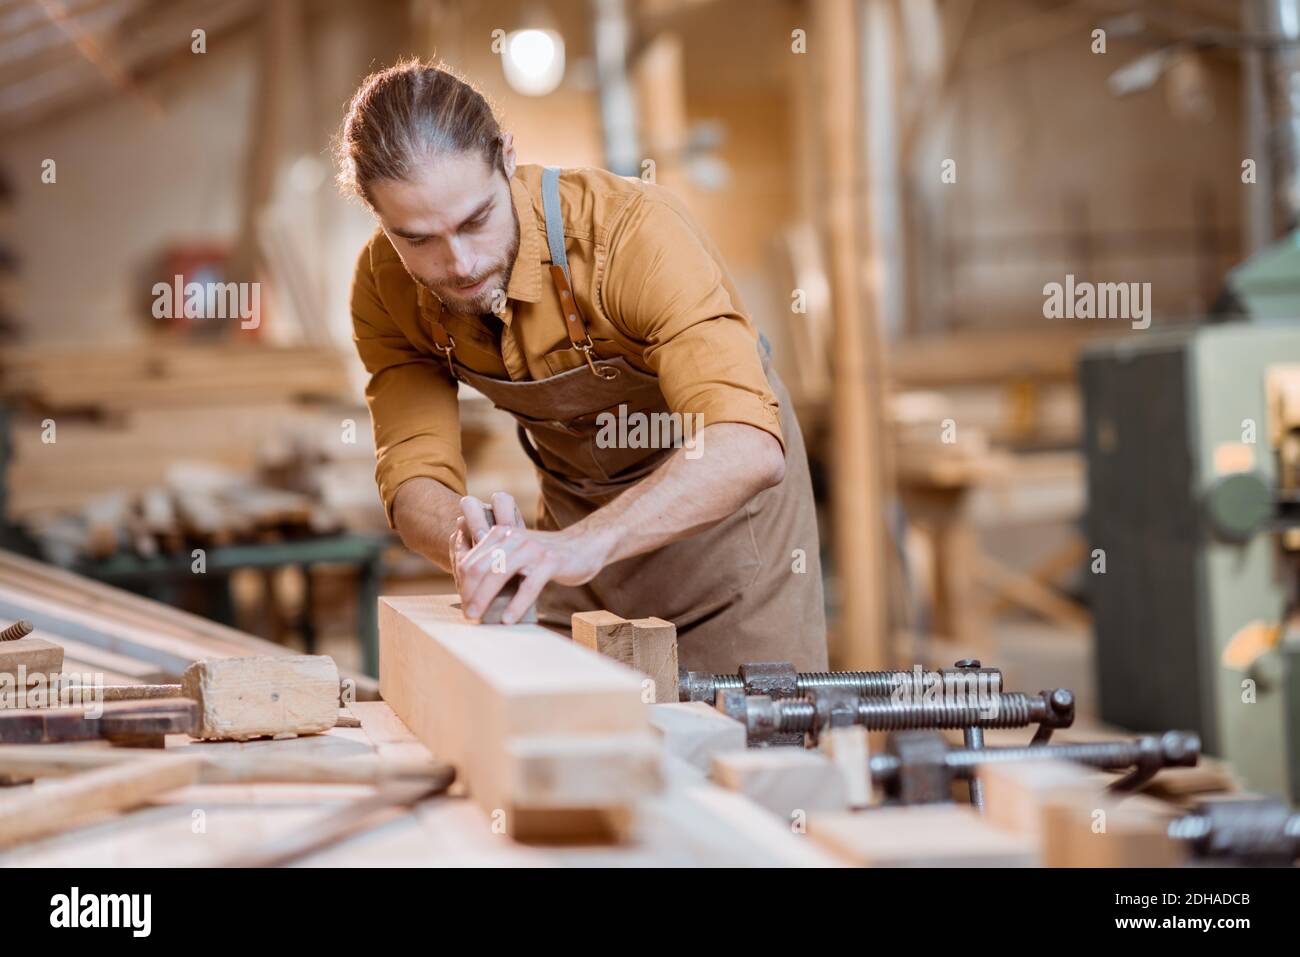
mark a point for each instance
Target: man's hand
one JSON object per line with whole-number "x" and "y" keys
{"x": 485, "y": 557}
{"x": 681, "y": 497}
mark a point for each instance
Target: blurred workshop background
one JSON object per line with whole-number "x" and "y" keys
{"x": 893, "y": 182}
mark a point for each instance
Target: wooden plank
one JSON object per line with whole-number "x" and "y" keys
{"x": 1017, "y": 795}
{"x": 723, "y": 829}
{"x": 68, "y": 803}
{"x": 789, "y": 782}
{"x": 930, "y": 835}
{"x": 74, "y": 608}
{"x": 849, "y": 749}
{"x": 1104, "y": 831}
{"x": 469, "y": 691}
{"x": 693, "y": 731}
{"x": 320, "y": 760}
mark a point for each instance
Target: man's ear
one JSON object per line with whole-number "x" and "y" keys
{"x": 508, "y": 154}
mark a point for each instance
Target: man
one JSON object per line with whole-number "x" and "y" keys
{"x": 574, "y": 300}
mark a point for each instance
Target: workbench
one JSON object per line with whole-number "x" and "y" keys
{"x": 204, "y": 825}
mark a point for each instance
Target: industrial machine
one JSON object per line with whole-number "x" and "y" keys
{"x": 1193, "y": 447}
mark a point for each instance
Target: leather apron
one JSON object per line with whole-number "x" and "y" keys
{"x": 746, "y": 589}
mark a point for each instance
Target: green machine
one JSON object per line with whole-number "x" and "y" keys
{"x": 1193, "y": 447}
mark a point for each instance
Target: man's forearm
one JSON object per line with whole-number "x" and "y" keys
{"x": 425, "y": 513}
{"x": 686, "y": 495}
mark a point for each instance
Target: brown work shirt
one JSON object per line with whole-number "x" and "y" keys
{"x": 652, "y": 289}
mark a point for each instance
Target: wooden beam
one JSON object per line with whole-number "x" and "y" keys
{"x": 859, "y": 634}
{"x": 525, "y": 715}
{"x": 929, "y": 835}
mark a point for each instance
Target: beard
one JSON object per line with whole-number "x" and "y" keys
{"x": 494, "y": 292}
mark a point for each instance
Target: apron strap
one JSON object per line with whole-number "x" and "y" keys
{"x": 554, "y": 218}
{"x": 579, "y": 337}
{"x": 444, "y": 343}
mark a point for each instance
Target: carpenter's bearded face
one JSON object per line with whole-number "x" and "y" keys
{"x": 454, "y": 226}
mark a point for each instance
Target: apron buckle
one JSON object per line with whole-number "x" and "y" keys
{"x": 601, "y": 372}
{"x": 447, "y": 351}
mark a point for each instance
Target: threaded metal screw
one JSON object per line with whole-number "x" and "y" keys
{"x": 19, "y": 629}
{"x": 699, "y": 686}
{"x": 1172, "y": 749}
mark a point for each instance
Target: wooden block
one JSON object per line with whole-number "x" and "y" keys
{"x": 725, "y": 829}
{"x": 242, "y": 698}
{"x": 789, "y": 782}
{"x": 604, "y": 632}
{"x": 33, "y": 655}
{"x": 473, "y": 693}
{"x": 647, "y": 644}
{"x": 654, "y": 651}
{"x": 848, "y": 749}
{"x": 694, "y": 730}
{"x": 928, "y": 835}
{"x": 1106, "y": 831}
{"x": 582, "y": 771}
{"x": 1016, "y": 795}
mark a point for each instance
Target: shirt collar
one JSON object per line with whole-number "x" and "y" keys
{"x": 526, "y": 278}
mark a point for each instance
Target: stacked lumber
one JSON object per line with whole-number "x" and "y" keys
{"x": 151, "y": 448}
{"x": 552, "y": 740}
{"x": 127, "y": 638}
{"x": 61, "y": 461}
{"x": 200, "y": 507}
{"x": 935, "y": 446}
{"x": 1017, "y": 385}
{"x": 167, "y": 375}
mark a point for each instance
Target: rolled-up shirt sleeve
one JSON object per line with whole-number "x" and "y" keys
{"x": 411, "y": 395}
{"x": 664, "y": 288}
